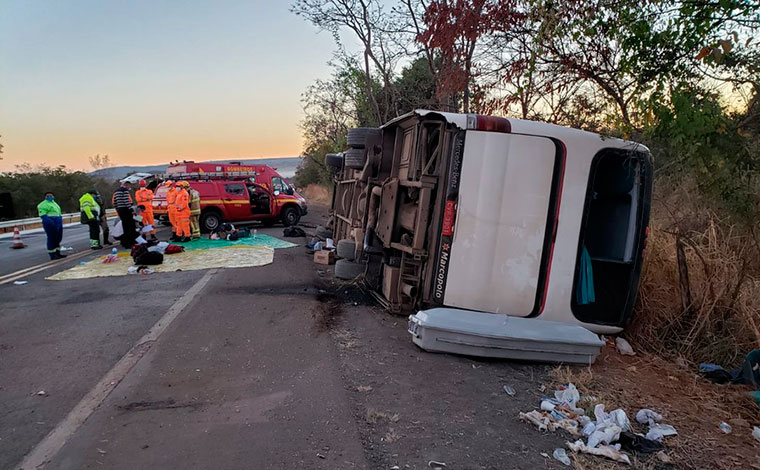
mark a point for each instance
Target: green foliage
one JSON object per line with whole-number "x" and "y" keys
{"x": 27, "y": 187}
{"x": 693, "y": 134}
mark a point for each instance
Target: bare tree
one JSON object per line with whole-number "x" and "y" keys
{"x": 99, "y": 161}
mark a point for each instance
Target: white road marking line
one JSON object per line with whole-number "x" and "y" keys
{"x": 40, "y": 267}
{"x": 55, "y": 440}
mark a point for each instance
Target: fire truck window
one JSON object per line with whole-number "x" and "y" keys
{"x": 235, "y": 189}
{"x": 277, "y": 184}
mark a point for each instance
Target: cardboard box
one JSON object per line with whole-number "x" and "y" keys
{"x": 324, "y": 257}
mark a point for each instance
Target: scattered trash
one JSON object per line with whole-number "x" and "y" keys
{"x": 645, "y": 415}
{"x": 67, "y": 248}
{"x": 321, "y": 456}
{"x": 749, "y": 374}
{"x": 658, "y": 431}
{"x": 434, "y": 464}
{"x": 547, "y": 405}
{"x": 42, "y": 393}
{"x": 756, "y": 433}
{"x": 329, "y": 244}
{"x": 132, "y": 270}
{"x": 395, "y": 467}
{"x": 725, "y": 427}
{"x": 83, "y": 263}
{"x": 100, "y": 451}
{"x": 112, "y": 258}
{"x": 509, "y": 390}
{"x": 663, "y": 457}
{"x": 611, "y": 452}
{"x": 561, "y": 455}
{"x": 19, "y": 283}
{"x": 624, "y": 347}
{"x": 544, "y": 455}
{"x": 638, "y": 443}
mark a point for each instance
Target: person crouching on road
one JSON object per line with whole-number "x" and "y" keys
{"x": 90, "y": 216}
{"x": 122, "y": 201}
{"x": 52, "y": 222}
{"x": 195, "y": 214}
{"x": 171, "y": 209}
{"x": 144, "y": 197}
{"x": 182, "y": 203}
{"x": 103, "y": 218}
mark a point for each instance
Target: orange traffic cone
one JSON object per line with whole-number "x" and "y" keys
{"x": 17, "y": 243}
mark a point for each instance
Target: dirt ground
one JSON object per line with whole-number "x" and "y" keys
{"x": 414, "y": 407}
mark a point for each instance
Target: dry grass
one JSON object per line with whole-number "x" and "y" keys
{"x": 317, "y": 194}
{"x": 708, "y": 310}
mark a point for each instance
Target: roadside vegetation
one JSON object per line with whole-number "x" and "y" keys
{"x": 682, "y": 77}
{"x": 27, "y": 186}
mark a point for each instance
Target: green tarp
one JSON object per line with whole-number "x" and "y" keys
{"x": 258, "y": 240}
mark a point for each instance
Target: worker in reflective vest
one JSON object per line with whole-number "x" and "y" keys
{"x": 182, "y": 213}
{"x": 90, "y": 215}
{"x": 195, "y": 214}
{"x": 171, "y": 198}
{"x": 52, "y": 223}
{"x": 144, "y": 197}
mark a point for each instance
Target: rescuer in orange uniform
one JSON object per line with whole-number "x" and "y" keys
{"x": 182, "y": 214}
{"x": 171, "y": 198}
{"x": 144, "y": 197}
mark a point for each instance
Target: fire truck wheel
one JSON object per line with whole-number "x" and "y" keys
{"x": 346, "y": 249}
{"x": 355, "y": 158}
{"x": 348, "y": 270}
{"x": 357, "y": 137}
{"x": 210, "y": 220}
{"x": 290, "y": 216}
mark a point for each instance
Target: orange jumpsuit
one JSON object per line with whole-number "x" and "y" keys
{"x": 171, "y": 198}
{"x": 182, "y": 203}
{"x": 144, "y": 197}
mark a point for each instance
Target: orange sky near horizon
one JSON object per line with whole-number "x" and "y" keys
{"x": 148, "y": 82}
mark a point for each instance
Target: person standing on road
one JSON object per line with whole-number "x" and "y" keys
{"x": 122, "y": 201}
{"x": 103, "y": 219}
{"x": 144, "y": 197}
{"x": 171, "y": 199}
{"x": 90, "y": 216}
{"x": 182, "y": 203}
{"x": 195, "y": 214}
{"x": 52, "y": 222}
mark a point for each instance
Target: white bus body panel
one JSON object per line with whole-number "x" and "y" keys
{"x": 504, "y": 197}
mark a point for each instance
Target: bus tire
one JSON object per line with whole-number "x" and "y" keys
{"x": 357, "y": 137}
{"x": 355, "y": 158}
{"x": 346, "y": 249}
{"x": 348, "y": 270}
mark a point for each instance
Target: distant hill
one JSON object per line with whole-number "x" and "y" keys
{"x": 286, "y": 166}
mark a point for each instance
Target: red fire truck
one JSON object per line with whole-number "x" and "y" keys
{"x": 233, "y": 192}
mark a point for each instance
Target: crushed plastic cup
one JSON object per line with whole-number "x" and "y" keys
{"x": 645, "y": 415}
{"x": 560, "y": 455}
{"x": 624, "y": 347}
{"x": 725, "y": 427}
{"x": 658, "y": 431}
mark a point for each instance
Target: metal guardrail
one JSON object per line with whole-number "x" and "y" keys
{"x": 35, "y": 222}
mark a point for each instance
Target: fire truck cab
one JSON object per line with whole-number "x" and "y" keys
{"x": 232, "y": 192}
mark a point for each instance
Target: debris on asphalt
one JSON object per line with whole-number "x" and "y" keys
{"x": 624, "y": 347}
{"x": 756, "y": 433}
{"x": 67, "y": 248}
{"x": 509, "y": 390}
{"x": 435, "y": 464}
{"x": 321, "y": 456}
{"x": 725, "y": 427}
{"x": 42, "y": 393}
{"x": 19, "y": 283}
{"x": 560, "y": 455}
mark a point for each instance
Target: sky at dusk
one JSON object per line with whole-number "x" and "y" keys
{"x": 151, "y": 81}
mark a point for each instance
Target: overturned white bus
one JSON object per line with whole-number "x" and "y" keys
{"x": 494, "y": 215}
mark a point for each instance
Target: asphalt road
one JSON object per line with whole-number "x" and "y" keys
{"x": 76, "y": 237}
{"x": 271, "y": 367}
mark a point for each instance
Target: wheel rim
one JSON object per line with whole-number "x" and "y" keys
{"x": 291, "y": 217}
{"x": 212, "y": 222}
